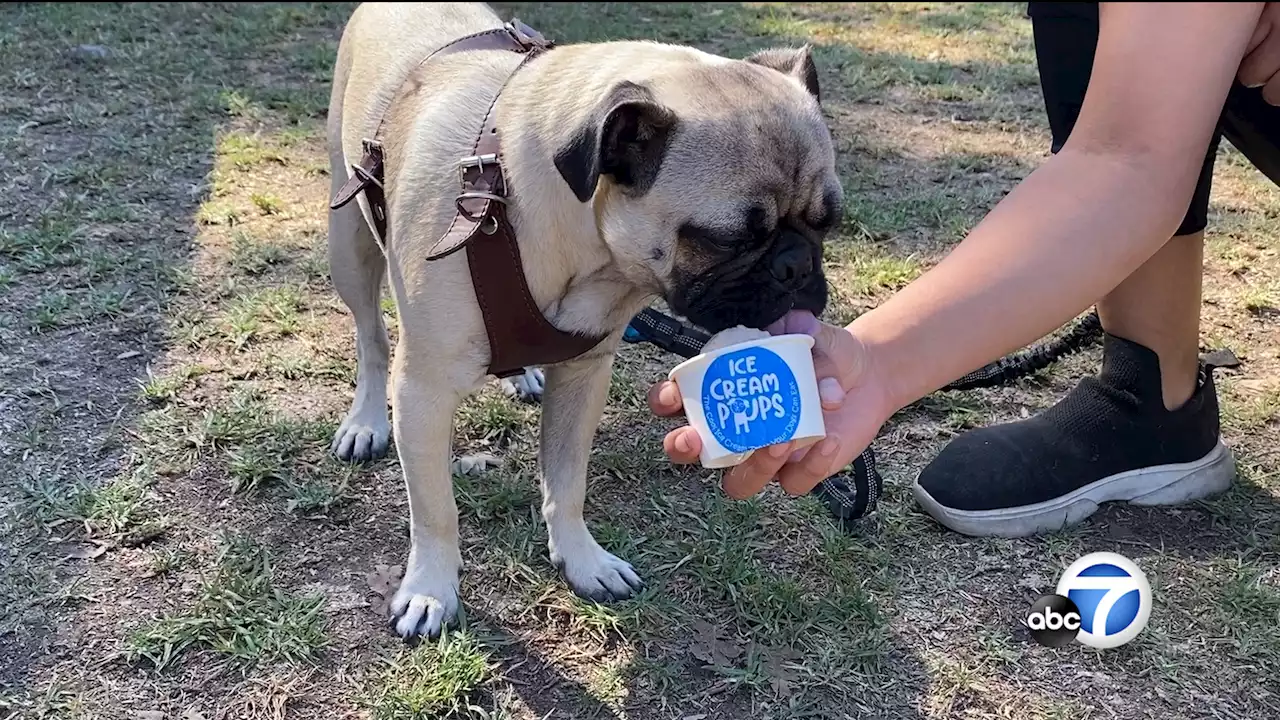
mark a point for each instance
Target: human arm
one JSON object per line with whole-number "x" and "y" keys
{"x": 1067, "y": 235}
{"x": 1089, "y": 216}
{"x": 1261, "y": 64}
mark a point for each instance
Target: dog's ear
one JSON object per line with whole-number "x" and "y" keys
{"x": 625, "y": 138}
{"x": 794, "y": 62}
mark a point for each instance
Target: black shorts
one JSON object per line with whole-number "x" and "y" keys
{"x": 1066, "y": 35}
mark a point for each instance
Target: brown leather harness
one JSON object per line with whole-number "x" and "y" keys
{"x": 519, "y": 334}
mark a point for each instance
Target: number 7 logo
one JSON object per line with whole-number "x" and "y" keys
{"x": 1112, "y": 595}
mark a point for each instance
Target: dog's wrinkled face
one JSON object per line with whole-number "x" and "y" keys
{"x": 715, "y": 185}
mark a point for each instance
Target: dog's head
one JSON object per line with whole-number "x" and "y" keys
{"x": 714, "y": 185}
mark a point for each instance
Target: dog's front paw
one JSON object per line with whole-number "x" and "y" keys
{"x": 526, "y": 387}
{"x": 596, "y": 574}
{"x": 426, "y": 602}
{"x": 361, "y": 438}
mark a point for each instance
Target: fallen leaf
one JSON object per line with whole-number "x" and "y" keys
{"x": 1222, "y": 357}
{"x": 191, "y": 714}
{"x": 474, "y": 464}
{"x": 775, "y": 663}
{"x": 383, "y": 581}
{"x": 128, "y": 354}
{"x": 1033, "y": 581}
{"x": 95, "y": 52}
{"x": 85, "y": 552}
{"x": 150, "y": 715}
{"x": 781, "y": 686}
{"x": 711, "y": 648}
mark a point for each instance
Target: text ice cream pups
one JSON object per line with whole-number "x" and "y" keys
{"x": 746, "y": 395}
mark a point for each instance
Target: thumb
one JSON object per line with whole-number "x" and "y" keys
{"x": 834, "y": 353}
{"x": 1260, "y": 33}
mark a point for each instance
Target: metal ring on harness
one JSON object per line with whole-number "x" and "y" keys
{"x": 475, "y": 195}
{"x": 366, "y": 175}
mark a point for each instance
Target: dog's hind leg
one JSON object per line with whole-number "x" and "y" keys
{"x": 357, "y": 266}
{"x": 571, "y": 408}
{"x": 527, "y": 387}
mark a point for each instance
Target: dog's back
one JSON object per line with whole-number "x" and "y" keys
{"x": 381, "y": 44}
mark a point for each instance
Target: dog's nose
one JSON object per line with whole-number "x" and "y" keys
{"x": 792, "y": 266}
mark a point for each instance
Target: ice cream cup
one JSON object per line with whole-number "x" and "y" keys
{"x": 751, "y": 395}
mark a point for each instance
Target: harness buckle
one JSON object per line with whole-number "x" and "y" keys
{"x": 477, "y": 161}
{"x": 525, "y": 35}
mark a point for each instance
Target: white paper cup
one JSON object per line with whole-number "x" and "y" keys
{"x": 751, "y": 395}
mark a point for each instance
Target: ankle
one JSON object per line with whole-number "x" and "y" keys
{"x": 1171, "y": 369}
{"x": 1179, "y": 377}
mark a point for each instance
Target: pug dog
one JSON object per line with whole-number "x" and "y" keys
{"x": 636, "y": 171}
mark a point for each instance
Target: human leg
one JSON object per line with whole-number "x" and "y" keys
{"x": 1145, "y": 430}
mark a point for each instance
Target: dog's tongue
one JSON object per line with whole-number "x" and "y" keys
{"x": 795, "y": 322}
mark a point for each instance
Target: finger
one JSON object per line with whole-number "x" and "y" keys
{"x": 682, "y": 445}
{"x": 752, "y": 475}
{"x": 830, "y": 393}
{"x": 821, "y": 462}
{"x": 1260, "y": 33}
{"x": 798, "y": 455}
{"x": 664, "y": 399}
{"x": 1271, "y": 91}
{"x": 847, "y": 435}
{"x": 1258, "y": 66}
{"x": 834, "y": 356}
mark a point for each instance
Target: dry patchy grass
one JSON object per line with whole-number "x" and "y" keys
{"x": 176, "y": 539}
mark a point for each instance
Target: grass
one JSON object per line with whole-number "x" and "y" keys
{"x": 435, "y": 680}
{"x": 176, "y": 361}
{"x": 166, "y": 386}
{"x": 267, "y": 204}
{"x": 47, "y": 245}
{"x": 116, "y": 510}
{"x": 238, "y": 613}
{"x": 253, "y": 257}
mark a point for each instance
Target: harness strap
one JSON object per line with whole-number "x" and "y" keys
{"x": 519, "y": 334}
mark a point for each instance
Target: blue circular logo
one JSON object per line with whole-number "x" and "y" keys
{"x": 750, "y": 399}
{"x": 1112, "y": 595}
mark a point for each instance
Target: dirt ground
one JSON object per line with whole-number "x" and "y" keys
{"x": 176, "y": 541}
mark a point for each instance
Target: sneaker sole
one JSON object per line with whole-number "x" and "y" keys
{"x": 1158, "y": 485}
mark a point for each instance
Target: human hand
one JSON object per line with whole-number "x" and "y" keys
{"x": 1261, "y": 64}
{"x": 854, "y": 404}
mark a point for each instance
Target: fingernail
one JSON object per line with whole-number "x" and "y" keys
{"x": 1255, "y": 85}
{"x": 682, "y": 443}
{"x": 829, "y": 446}
{"x": 669, "y": 395}
{"x": 830, "y": 392}
{"x": 777, "y": 451}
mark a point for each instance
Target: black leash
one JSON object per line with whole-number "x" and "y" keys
{"x": 855, "y": 493}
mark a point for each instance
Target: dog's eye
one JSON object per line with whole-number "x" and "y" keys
{"x": 713, "y": 237}
{"x": 758, "y": 225}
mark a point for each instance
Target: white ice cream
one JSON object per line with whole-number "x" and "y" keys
{"x": 733, "y": 336}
